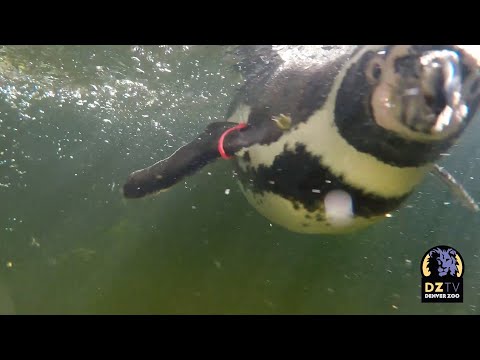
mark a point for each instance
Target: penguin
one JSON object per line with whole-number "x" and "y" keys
{"x": 330, "y": 139}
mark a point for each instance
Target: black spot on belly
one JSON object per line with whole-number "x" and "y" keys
{"x": 295, "y": 173}
{"x": 246, "y": 156}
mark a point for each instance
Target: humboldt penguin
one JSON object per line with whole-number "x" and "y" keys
{"x": 329, "y": 139}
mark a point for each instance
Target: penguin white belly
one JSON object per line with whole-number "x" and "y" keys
{"x": 296, "y": 218}
{"x": 335, "y": 210}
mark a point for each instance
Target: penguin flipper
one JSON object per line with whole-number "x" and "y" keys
{"x": 457, "y": 189}
{"x": 187, "y": 160}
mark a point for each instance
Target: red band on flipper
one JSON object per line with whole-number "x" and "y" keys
{"x": 222, "y": 138}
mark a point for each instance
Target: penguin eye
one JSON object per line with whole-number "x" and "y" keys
{"x": 374, "y": 69}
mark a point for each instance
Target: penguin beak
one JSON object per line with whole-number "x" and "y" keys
{"x": 431, "y": 92}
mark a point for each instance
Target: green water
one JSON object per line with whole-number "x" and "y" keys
{"x": 76, "y": 120}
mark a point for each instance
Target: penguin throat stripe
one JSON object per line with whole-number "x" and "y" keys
{"x": 220, "y": 148}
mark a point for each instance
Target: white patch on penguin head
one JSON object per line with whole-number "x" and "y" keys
{"x": 338, "y": 208}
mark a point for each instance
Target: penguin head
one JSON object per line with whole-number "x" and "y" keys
{"x": 420, "y": 92}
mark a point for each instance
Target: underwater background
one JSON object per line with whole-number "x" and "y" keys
{"x": 76, "y": 120}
